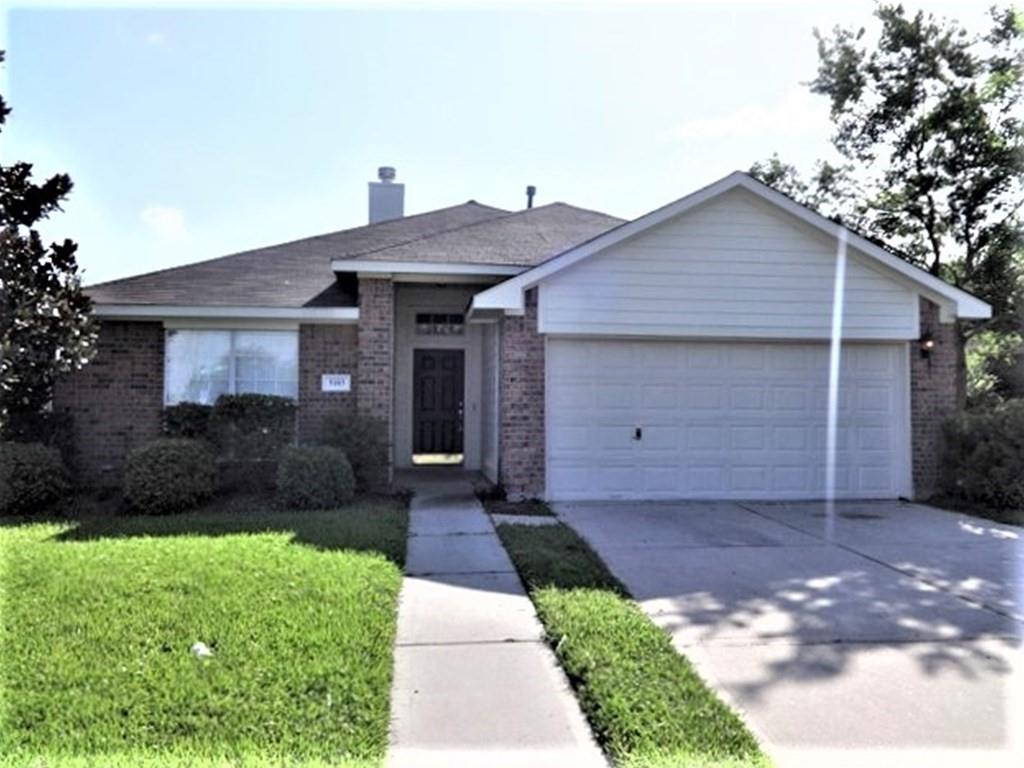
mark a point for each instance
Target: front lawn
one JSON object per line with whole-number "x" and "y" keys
{"x": 646, "y": 704}
{"x": 98, "y": 618}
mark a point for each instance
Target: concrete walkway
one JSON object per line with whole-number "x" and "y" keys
{"x": 474, "y": 683}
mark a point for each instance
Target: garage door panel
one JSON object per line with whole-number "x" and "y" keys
{"x": 722, "y": 420}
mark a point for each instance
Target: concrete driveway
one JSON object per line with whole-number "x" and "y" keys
{"x": 898, "y": 642}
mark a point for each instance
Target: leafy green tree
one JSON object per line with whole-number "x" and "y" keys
{"x": 45, "y": 326}
{"x": 928, "y": 126}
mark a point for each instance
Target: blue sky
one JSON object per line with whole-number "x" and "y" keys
{"x": 191, "y": 133}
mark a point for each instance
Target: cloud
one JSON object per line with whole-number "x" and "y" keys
{"x": 155, "y": 38}
{"x": 797, "y": 113}
{"x": 166, "y": 222}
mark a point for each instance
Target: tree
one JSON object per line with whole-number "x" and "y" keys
{"x": 45, "y": 324}
{"x": 928, "y": 126}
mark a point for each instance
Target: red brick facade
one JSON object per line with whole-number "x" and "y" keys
{"x": 324, "y": 349}
{"x": 116, "y": 400}
{"x": 934, "y": 397}
{"x": 376, "y": 338}
{"x": 521, "y": 461}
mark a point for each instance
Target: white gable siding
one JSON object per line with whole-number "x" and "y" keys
{"x": 734, "y": 267}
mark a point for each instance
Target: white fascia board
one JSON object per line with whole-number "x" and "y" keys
{"x": 368, "y": 268}
{"x": 324, "y": 315}
{"x": 509, "y": 294}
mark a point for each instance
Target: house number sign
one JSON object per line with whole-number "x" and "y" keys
{"x": 336, "y": 382}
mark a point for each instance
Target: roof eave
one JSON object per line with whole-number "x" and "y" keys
{"x": 157, "y": 312}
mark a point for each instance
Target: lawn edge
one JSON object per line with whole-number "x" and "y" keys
{"x": 668, "y": 758}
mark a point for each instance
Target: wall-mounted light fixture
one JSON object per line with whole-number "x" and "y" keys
{"x": 927, "y": 344}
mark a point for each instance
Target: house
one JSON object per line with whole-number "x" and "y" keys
{"x": 565, "y": 353}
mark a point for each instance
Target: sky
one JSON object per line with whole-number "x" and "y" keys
{"x": 194, "y": 131}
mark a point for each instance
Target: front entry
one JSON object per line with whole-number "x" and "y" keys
{"x": 438, "y": 382}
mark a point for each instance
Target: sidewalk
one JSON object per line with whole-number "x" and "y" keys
{"x": 474, "y": 683}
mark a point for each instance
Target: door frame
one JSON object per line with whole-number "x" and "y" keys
{"x": 411, "y": 298}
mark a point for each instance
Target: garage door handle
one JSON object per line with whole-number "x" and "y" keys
{"x": 638, "y": 433}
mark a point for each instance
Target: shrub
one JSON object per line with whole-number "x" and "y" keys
{"x": 187, "y": 420}
{"x": 363, "y": 439}
{"x": 52, "y": 429}
{"x": 252, "y": 427}
{"x": 32, "y": 477}
{"x": 984, "y": 456}
{"x": 314, "y": 477}
{"x": 169, "y": 475}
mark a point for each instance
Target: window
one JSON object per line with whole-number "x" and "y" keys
{"x": 434, "y": 324}
{"x": 202, "y": 365}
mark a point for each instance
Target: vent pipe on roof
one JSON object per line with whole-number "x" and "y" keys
{"x": 387, "y": 199}
{"x": 530, "y": 192}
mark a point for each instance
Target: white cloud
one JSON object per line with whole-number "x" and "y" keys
{"x": 155, "y": 38}
{"x": 798, "y": 113}
{"x": 168, "y": 223}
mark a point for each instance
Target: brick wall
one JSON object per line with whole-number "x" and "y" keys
{"x": 115, "y": 401}
{"x": 376, "y": 338}
{"x": 934, "y": 397}
{"x": 522, "y": 404}
{"x": 324, "y": 349}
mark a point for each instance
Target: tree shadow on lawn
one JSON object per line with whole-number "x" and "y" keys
{"x": 376, "y": 524}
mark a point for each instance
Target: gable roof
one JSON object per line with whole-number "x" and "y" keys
{"x": 293, "y": 274}
{"x": 522, "y": 239}
{"x": 953, "y": 301}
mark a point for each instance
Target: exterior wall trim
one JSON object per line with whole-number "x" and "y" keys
{"x": 330, "y": 315}
{"x": 368, "y": 267}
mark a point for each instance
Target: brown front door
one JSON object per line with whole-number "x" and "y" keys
{"x": 437, "y": 400}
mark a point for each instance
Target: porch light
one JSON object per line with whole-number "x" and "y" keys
{"x": 927, "y": 344}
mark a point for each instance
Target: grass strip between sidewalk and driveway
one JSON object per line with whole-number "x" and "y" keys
{"x": 645, "y": 702}
{"x": 98, "y": 618}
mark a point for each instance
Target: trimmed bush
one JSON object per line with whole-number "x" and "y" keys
{"x": 169, "y": 475}
{"x": 363, "y": 439}
{"x": 314, "y": 477}
{"x": 187, "y": 420}
{"x": 252, "y": 427}
{"x": 32, "y": 477}
{"x": 984, "y": 457}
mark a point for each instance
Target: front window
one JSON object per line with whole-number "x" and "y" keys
{"x": 202, "y": 365}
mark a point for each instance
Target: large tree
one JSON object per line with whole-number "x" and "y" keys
{"x": 45, "y": 326}
{"x": 928, "y": 129}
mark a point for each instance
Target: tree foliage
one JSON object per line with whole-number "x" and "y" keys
{"x": 928, "y": 126}
{"x": 45, "y": 326}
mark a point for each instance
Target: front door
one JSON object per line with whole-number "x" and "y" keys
{"x": 438, "y": 376}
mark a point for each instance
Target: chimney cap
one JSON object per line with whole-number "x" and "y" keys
{"x": 386, "y": 174}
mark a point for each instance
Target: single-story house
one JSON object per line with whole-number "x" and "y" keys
{"x": 564, "y": 353}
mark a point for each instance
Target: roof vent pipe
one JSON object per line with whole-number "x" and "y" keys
{"x": 530, "y": 192}
{"x": 387, "y": 199}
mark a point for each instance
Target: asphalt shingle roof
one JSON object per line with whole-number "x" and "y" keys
{"x": 295, "y": 274}
{"x": 522, "y": 239}
{"x": 299, "y": 273}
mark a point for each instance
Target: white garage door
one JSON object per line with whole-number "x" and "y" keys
{"x": 670, "y": 419}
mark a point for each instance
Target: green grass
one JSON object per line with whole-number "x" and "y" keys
{"x": 97, "y": 618}
{"x": 646, "y": 704}
{"x": 534, "y": 507}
